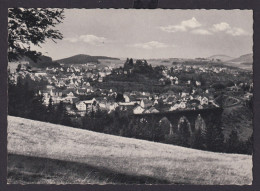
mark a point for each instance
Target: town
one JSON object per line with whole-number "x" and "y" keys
{"x": 79, "y": 86}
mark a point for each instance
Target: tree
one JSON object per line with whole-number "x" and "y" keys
{"x": 31, "y": 26}
{"x": 62, "y": 116}
{"x": 214, "y": 137}
{"x": 249, "y": 144}
{"x": 120, "y": 98}
{"x": 50, "y": 111}
{"x": 198, "y": 140}
{"x": 18, "y": 68}
{"x": 184, "y": 132}
{"x": 233, "y": 142}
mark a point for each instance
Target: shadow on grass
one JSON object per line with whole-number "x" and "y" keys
{"x": 35, "y": 170}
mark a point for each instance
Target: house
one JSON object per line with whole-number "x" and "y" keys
{"x": 112, "y": 106}
{"x": 175, "y": 78}
{"x": 198, "y": 83}
{"x": 184, "y": 94}
{"x": 71, "y": 94}
{"x": 81, "y": 92}
{"x": 151, "y": 110}
{"x": 126, "y": 97}
{"x": 70, "y": 99}
{"x": 146, "y": 103}
{"x": 81, "y": 106}
{"x": 204, "y": 101}
{"x": 103, "y": 105}
{"x": 55, "y": 93}
{"x": 102, "y": 74}
{"x": 138, "y": 110}
{"x": 155, "y": 102}
{"x": 182, "y": 105}
{"x": 100, "y": 79}
{"x": 174, "y": 107}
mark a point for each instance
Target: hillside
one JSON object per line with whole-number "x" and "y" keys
{"x": 247, "y": 58}
{"x": 47, "y": 153}
{"x": 83, "y": 59}
{"x": 220, "y": 57}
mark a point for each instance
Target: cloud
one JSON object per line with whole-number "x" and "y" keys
{"x": 71, "y": 39}
{"x": 195, "y": 27}
{"x": 92, "y": 39}
{"x": 225, "y": 27}
{"x": 89, "y": 39}
{"x": 235, "y": 31}
{"x": 183, "y": 26}
{"x": 201, "y": 32}
{"x": 151, "y": 45}
{"x": 221, "y": 27}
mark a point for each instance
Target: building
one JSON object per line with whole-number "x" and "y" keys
{"x": 138, "y": 110}
{"x": 81, "y": 106}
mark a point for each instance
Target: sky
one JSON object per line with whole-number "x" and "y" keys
{"x": 153, "y": 33}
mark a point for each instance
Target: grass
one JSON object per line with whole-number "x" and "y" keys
{"x": 72, "y": 154}
{"x": 34, "y": 170}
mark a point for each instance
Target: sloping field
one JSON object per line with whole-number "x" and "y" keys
{"x": 29, "y": 141}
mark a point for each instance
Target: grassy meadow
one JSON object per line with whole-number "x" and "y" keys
{"x": 40, "y": 152}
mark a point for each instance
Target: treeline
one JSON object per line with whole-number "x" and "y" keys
{"x": 23, "y": 101}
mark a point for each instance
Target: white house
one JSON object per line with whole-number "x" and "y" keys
{"x": 204, "y": 101}
{"x": 81, "y": 106}
{"x": 138, "y": 110}
{"x": 71, "y": 94}
{"x": 182, "y": 105}
{"x": 198, "y": 83}
{"x": 126, "y": 97}
{"x": 151, "y": 110}
{"x": 174, "y": 107}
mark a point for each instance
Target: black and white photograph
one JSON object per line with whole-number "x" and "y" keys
{"x": 130, "y": 96}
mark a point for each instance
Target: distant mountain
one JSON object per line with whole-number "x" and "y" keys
{"x": 247, "y": 58}
{"x": 221, "y": 57}
{"x": 43, "y": 62}
{"x": 84, "y": 58}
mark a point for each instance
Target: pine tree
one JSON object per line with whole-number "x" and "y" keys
{"x": 50, "y": 111}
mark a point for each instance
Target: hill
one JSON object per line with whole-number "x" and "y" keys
{"x": 83, "y": 59}
{"x": 220, "y": 57}
{"x": 247, "y": 58}
{"x": 41, "y": 152}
